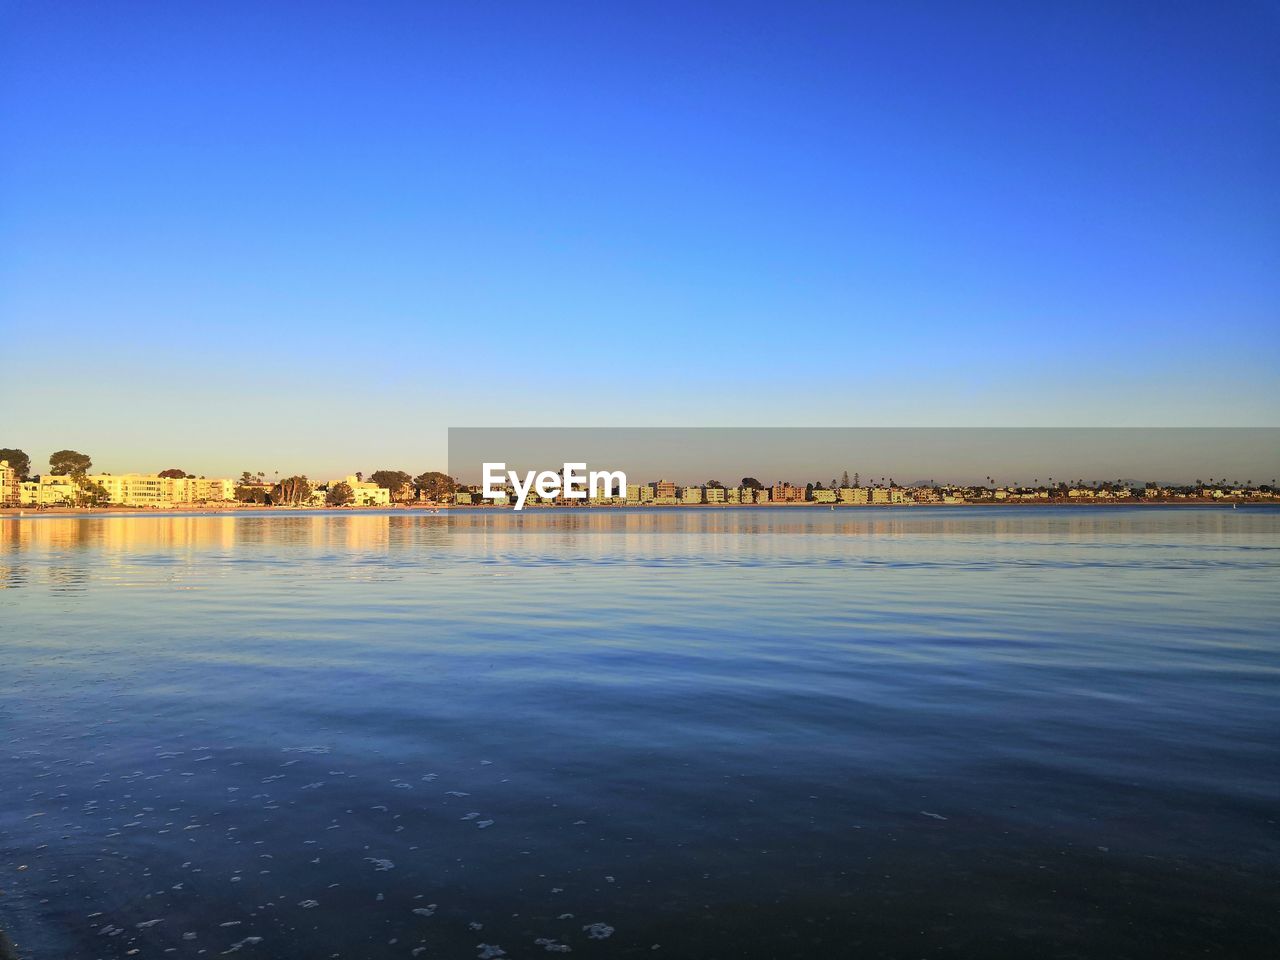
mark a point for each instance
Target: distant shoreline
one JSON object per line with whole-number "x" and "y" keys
{"x": 216, "y": 509}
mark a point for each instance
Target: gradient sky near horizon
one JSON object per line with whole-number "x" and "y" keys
{"x": 310, "y": 237}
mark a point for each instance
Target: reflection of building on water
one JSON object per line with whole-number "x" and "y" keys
{"x": 167, "y": 533}
{"x": 649, "y": 546}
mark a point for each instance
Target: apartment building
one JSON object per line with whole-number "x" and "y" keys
{"x": 204, "y": 489}
{"x": 127, "y": 490}
{"x": 854, "y": 495}
{"x": 691, "y": 495}
{"x": 786, "y": 493}
{"x": 10, "y": 487}
{"x": 48, "y": 491}
{"x": 824, "y": 496}
{"x": 136, "y": 489}
{"x": 150, "y": 490}
{"x": 715, "y": 494}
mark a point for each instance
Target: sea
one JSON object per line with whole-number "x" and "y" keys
{"x": 919, "y": 732}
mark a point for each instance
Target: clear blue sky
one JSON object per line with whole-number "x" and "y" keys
{"x": 310, "y": 236}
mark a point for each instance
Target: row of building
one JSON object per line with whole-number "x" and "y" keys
{"x": 665, "y": 492}
{"x": 130, "y": 489}
{"x": 152, "y": 490}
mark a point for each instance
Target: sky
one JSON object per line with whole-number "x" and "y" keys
{"x": 310, "y": 237}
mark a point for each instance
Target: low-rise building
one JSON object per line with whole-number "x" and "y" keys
{"x": 786, "y": 493}
{"x": 49, "y": 490}
{"x": 365, "y": 493}
{"x": 715, "y": 495}
{"x": 204, "y": 489}
{"x": 823, "y": 495}
{"x": 136, "y": 489}
{"x": 854, "y": 495}
{"x": 151, "y": 490}
{"x": 691, "y": 495}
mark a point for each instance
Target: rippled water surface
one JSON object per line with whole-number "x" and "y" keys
{"x": 916, "y": 733}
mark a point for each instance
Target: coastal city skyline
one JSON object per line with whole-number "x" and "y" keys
{"x": 72, "y": 482}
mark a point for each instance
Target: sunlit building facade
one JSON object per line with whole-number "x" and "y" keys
{"x": 10, "y": 487}
{"x": 364, "y": 493}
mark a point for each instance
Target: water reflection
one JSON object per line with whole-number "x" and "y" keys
{"x": 129, "y": 547}
{"x": 373, "y": 532}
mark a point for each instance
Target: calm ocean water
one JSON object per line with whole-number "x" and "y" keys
{"x": 917, "y": 733}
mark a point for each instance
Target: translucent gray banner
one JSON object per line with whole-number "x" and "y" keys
{"x": 792, "y": 463}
